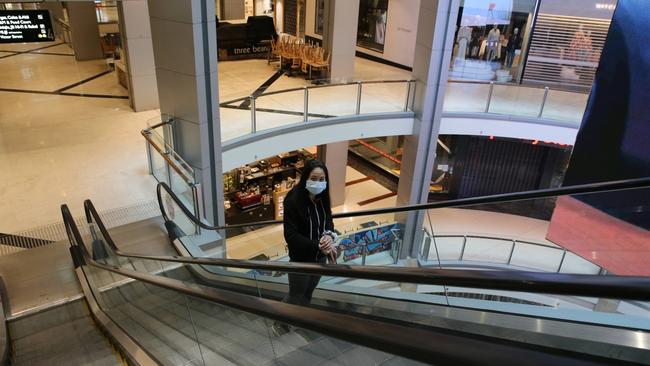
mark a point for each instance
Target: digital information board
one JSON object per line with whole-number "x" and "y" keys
{"x": 18, "y": 26}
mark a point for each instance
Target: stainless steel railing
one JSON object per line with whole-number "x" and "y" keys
{"x": 254, "y": 109}
{"x": 166, "y": 165}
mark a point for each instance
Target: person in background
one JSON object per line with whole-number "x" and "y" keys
{"x": 308, "y": 231}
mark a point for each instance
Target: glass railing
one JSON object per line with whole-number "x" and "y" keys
{"x": 167, "y": 166}
{"x": 336, "y": 98}
{"x": 465, "y": 250}
{"x": 515, "y": 100}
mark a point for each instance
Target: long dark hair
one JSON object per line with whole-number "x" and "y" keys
{"x": 301, "y": 189}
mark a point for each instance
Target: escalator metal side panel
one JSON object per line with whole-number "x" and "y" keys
{"x": 4, "y": 334}
{"x": 136, "y": 354}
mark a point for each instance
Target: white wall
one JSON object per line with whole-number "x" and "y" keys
{"x": 401, "y": 27}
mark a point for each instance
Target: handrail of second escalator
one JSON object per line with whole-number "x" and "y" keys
{"x": 462, "y": 202}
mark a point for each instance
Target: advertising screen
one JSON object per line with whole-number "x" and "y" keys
{"x": 17, "y": 26}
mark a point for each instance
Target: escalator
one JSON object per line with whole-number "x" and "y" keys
{"x": 192, "y": 310}
{"x": 422, "y": 304}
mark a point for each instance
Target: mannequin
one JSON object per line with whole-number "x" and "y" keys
{"x": 380, "y": 28}
{"x": 492, "y": 43}
{"x": 463, "y": 38}
{"x": 514, "y": 43}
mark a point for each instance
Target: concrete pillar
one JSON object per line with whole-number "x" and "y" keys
{"x": 85, "y": 32}
{"x": 340, "y": 36}
{"x": 185, "y": 52}
{"x": 434, "y": 44}
{"x": 56, "y": 12}
{"x": 137, "y": 50}
{"x": 335, "y": 157}
{"x": 392, "y": 144}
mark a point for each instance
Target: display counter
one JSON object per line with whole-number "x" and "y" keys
{"x": 256, "y": 192}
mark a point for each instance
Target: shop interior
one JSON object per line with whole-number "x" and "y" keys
{"x": 490, "y": 41}
{"x": 545, "y": 43}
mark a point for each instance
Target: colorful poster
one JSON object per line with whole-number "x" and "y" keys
{"x": 373, "y": 240}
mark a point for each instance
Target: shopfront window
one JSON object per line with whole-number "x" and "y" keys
{"x": 371, "y": 31}
{"x": 567, "y": 41}
{"x": 491, "y": 39}
{"x": 319, "y": 17}
{"x": 264, "y": 7}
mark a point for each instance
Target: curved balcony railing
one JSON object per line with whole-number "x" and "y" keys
{"x": 446, "y": 250}
{"x": 258, "y": 112}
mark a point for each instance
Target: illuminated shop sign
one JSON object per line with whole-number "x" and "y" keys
{"x": 17, "y": 26}
{"x": 605, "y": 6}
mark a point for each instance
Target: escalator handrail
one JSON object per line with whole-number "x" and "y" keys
{"x": 446, "y": 347}
{"x": 615, "y": 287}
{"x": 462, "y": 202}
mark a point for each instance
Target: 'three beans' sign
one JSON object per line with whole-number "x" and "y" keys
{"x": 18, "y": 26}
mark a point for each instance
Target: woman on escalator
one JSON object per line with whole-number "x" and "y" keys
{"x": 308, "y": 231}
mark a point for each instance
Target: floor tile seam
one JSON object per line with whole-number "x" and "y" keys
{"x": 35, "y": 53}
{"x": 32, "y": 50}
{"x": 279, "y": 111}
{"x": 88, "y": 79}
{"x": 86, "y": 95}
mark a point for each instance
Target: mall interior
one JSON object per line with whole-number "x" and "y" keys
{"x": 486, "y": 163}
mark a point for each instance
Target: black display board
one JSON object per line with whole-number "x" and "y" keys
{"x": 17, "y": 26}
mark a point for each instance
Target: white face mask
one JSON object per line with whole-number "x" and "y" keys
{"x": 315, "y": 187}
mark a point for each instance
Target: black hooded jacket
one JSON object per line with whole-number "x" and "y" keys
{"x": 304, "y": 223}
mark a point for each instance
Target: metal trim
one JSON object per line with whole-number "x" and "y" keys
{"x": 300, "y": 126}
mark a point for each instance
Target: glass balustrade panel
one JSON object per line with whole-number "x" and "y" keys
{"x": 333, "y": 101}
{"x": 565, "y": 106}
{"x": 279, "y": 110}
{"x": 383, "y": 97}
{"x": 516, "y": 100}
{"x": 466, "y": 97}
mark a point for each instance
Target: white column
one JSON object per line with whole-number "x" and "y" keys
{"x": 137, "y": 47}
{"x": 335, "y": 157}
{"x": 340, "y": 36}
{"x": 434, "y": 44}
{"x": 185, "y": 50}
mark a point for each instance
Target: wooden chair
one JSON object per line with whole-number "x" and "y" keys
{"x": 274, "y": 52}
{"x": 320, "y": 63}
